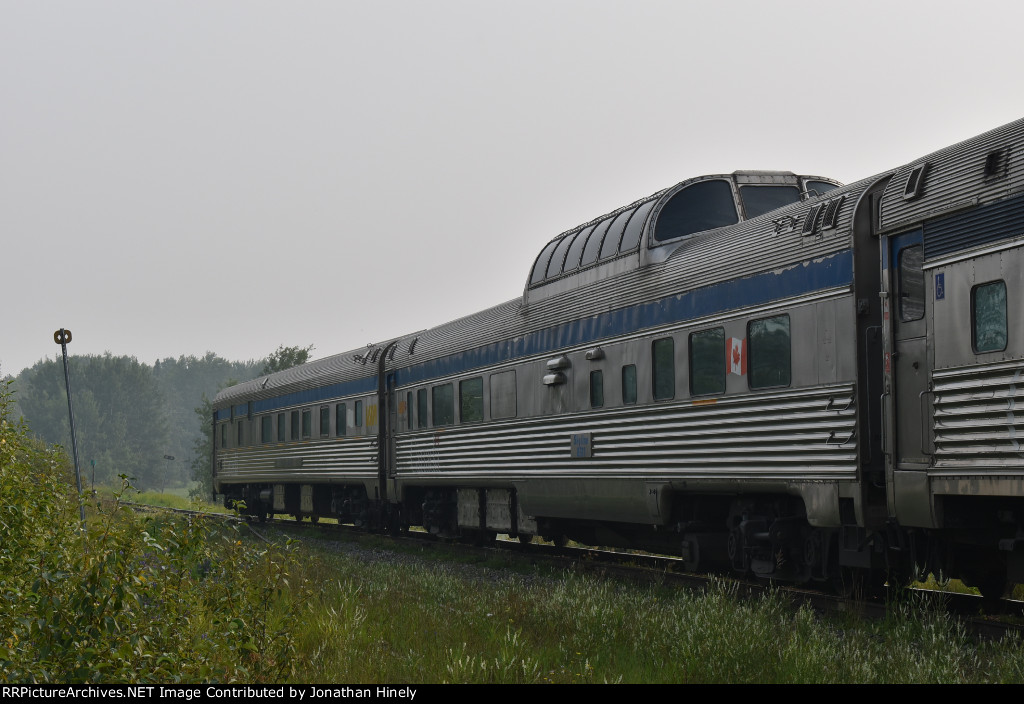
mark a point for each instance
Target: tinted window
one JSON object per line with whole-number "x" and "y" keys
{"x": 696, "y": 208}
{"x": 629, "y": 384}
{"x": 443, "y": 404}
{"x": 280, "y": 427}
{"x": 663, "y": 368}
{"x": 911, "y": 283}
{"x": 593, "y": 246}
{"x": 758, "y": 200}
{"x": 359, "y": 415}
{"x": 325, "y": 421}
{"x": 307, "y": 423}
{"x": 707, "y": 362}
{"x": 988, "y": 302}
{"x": 596, "y": 389}
{"x": 295, "y": 424}
{"x": 768, "y": 359}
{"x": 631, "y": 237}
{"x": 820, "y": 187}
{"x": 471, "y": 400}
{"x": 224, "y": 435}
{"x": 503, "y": 394}
{"x": 267, "y": 429}
{"x": 241, "y": 434}
{"x": 614, "y": 234}
{"x": 340, "y": 420}
{"x": 421, "y": 408}
{"x": 572, "y": 259}
{"x": 555, "y": 266}
{"x": 542, "y": 262}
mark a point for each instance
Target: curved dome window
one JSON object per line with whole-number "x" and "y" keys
{"x": 558, "y": 258}
{"x": 572, "y": 259}
{"x": 541, "y": 266}
{"x": 702, "y": 206}
{"x": 614, "y": 234}
{"x": 593, "y": 247}
{"x": 631, "y": 237}
{"x": 758, "y": 200}
{"x": 820, "y": 187}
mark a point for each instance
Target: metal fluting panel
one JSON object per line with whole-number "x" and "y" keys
{"x": 328, "y": 461}
{"x": 801, "y": 434}
{"x": 956, "y": 177}
{"x": 979, "y": 416}
{"x": 990, "y": 223}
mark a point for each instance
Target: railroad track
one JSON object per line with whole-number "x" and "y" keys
{"x": 988, "y": 620}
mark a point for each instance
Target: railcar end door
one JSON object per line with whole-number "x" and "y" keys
{"x": 907, "y": 365}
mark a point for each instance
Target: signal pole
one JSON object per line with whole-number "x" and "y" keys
{"x": 62, "y": 337}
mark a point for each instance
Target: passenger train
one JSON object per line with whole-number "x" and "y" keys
{"x": 761, "y": 371}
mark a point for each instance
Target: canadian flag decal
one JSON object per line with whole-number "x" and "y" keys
{"x": 737, "y": 356}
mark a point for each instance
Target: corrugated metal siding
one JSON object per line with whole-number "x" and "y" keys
{"x": 789, "y": 435}
{"x": 990, "y": 223}
{"x": 979, "y": 416}
{"x": 956, "y": 176}
{"x": 321, "y": 462}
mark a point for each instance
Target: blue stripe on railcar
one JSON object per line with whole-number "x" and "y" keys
{"x": 828, "y": 272}
{"x": 367, "y": 385}
{"x": 806, "y": 277}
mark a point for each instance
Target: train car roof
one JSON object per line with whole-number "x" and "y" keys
{"x": 816, "y": 227}
{"x": 986, "y": 166}
{"x": 623, "y": 239}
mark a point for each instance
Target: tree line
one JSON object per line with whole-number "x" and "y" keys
{"x": 152, "y": 423}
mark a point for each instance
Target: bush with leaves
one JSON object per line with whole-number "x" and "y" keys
{"x": 132, "y": 598}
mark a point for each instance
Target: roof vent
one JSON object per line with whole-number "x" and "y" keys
{"x": 915, "y": 182}
{"x": 831, "y": 216}
{"x": 811, "y": 221}
{"x": 996, "y": 164}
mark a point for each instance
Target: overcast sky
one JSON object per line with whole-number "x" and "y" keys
{"x": 177, "y": 177}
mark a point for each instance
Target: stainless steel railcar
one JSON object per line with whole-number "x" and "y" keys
{"x": 760, "y": 370}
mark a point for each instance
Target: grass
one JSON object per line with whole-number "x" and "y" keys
{"x": 426, "y": 621}
{"x": 167, "y": 498}
{"x": 418, "y": 615}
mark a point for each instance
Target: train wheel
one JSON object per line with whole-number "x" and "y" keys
{"x": 297, "y": 517}
{"x": 314, "y": 518}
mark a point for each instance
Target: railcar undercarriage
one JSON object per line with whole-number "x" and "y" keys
{"x": 761, "y": 536}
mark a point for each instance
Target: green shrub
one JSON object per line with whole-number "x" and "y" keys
{"x": 132, "y": 598}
